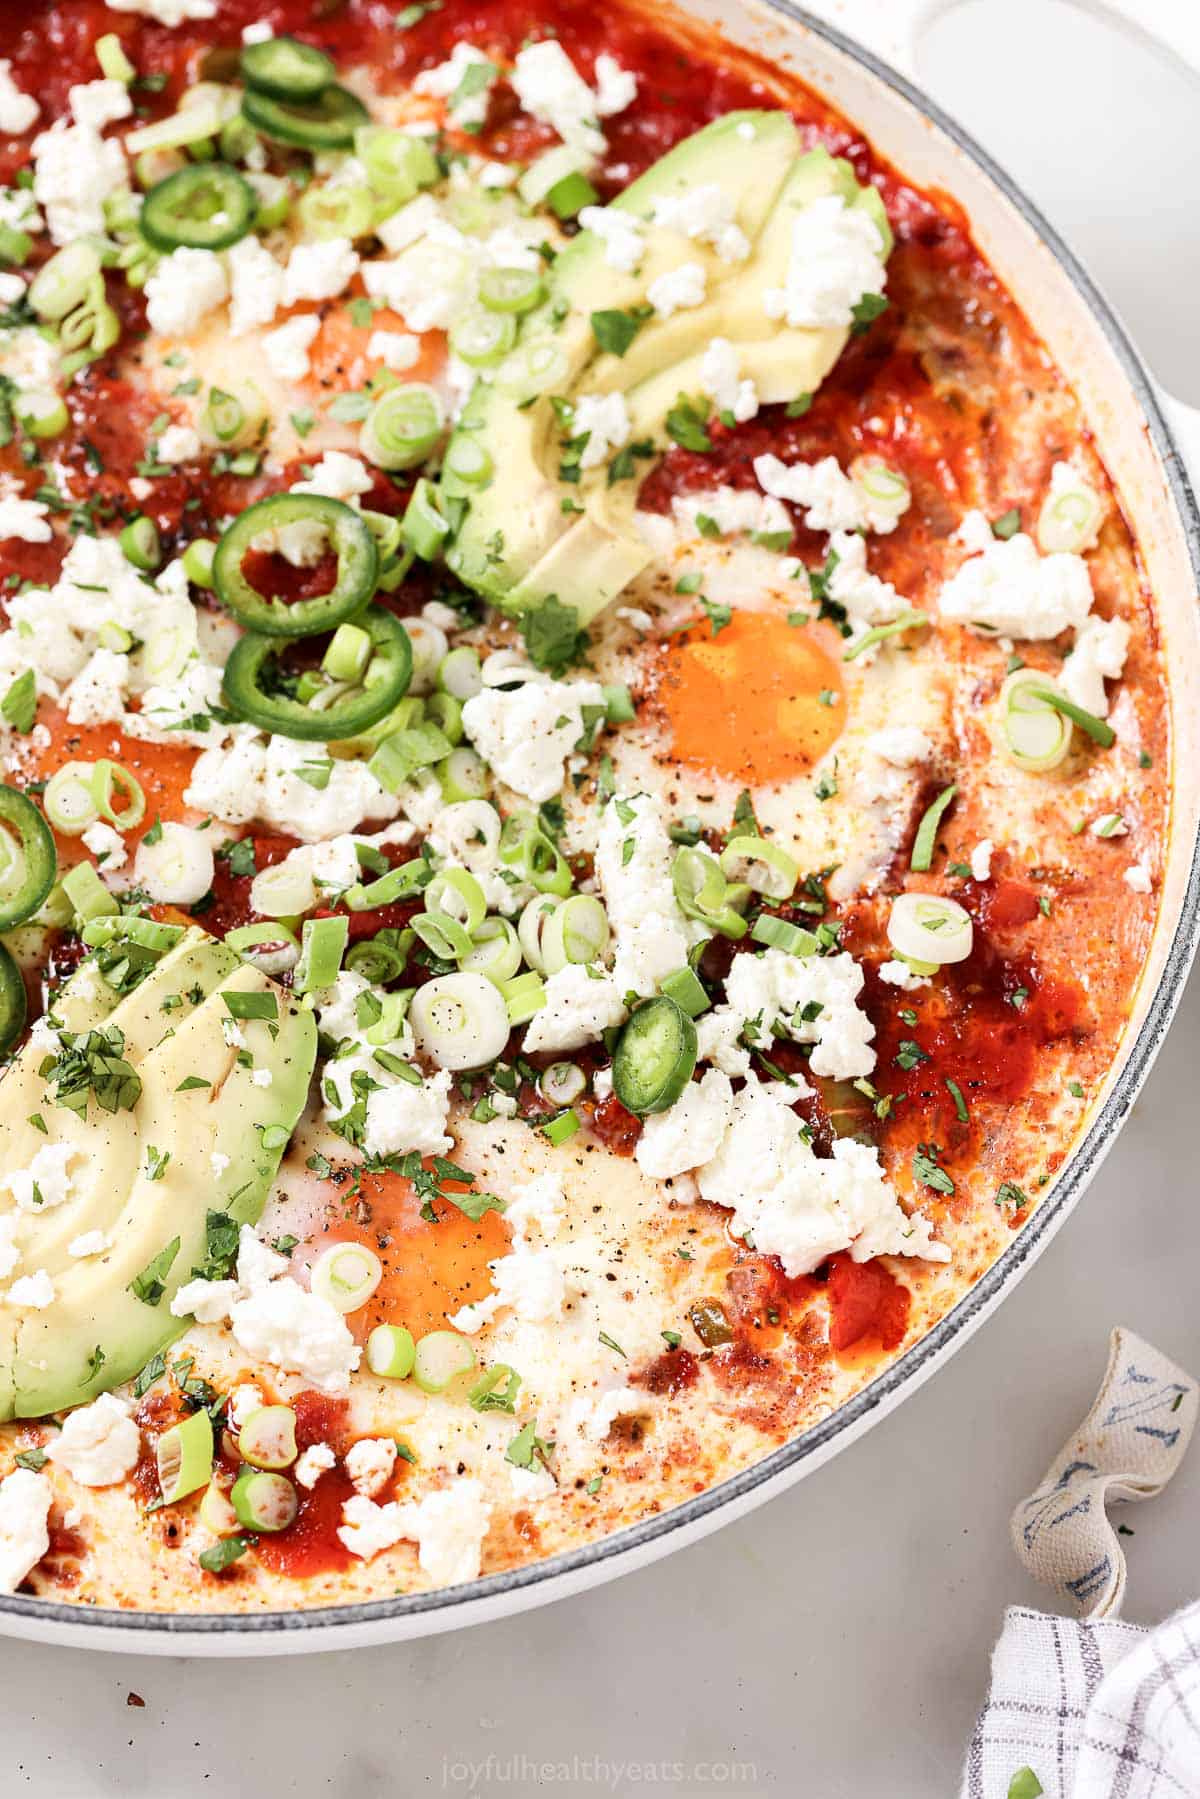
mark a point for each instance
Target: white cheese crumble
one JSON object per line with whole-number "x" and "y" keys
{"x": 777, "y": 989}
{"x": 255, "y": 285}
{"x": 981, "y": 860}
{"x": 898, "y": 974}
{"x": 99, "y": 1444}
{"x": 834, "y": 500}
{"x": 1138, "y": 879}
{"x": 620, "y": 233}
{"x": 397, "y": 350}
{"x": 732, "y": 510}
{"x": 25, "y": 1499}
{"x": 448, "y": 1527}
{"x": 178, "y": 443}
{"x": 315, "y": 1461}
{"x": 33, "y": 1292}
{"x": 633, "y": 867}
{"x": 678, "y": 289}
{"x": 526, "y": 733}
{"x": 89, "y": 1243}
{"x": 168, "y": 12}
{"x": 286, "y": 348}
{"x": 99, "y": 103}
{"x": 370, "y": 1464}
{"x": 721, "y": 379}
{"x": 581, "y": 1004}
{"x": 319, "y": 271}
{"x": 836, "y": 257}
{"x": 107, "y": 845}
{"x": 551, "y": 90}
{"x": 531, "y": 1281}
{"x": 24, "y": 519}
{"x": 183, "y": 287}
{"x": 75, "y": 172}
{"x": 1006, "y": 589}
{"x": 18, "y": 110}
{"x": 408, "y": 1115}
{"x": 899, "y": 745}
{"x": 467, "y": 96}
{"x": 604, "y": 420}
{"x": 690, "y": 1131}
{"x": 45, "y": 1183}
{"x": 1101, "y": 645}
{"x": 707, "y": 215}
{"x": 801, "y": 1207}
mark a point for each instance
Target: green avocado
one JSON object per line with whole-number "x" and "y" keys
{"x": 144, "y": 1173}
{"x": 528, "y": 534}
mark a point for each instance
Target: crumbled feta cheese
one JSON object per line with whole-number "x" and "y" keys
{"x": 814, "y": 999}
{"x": 34, "y": 1291}
{"x": 494, "y": 175}
{"x": 732, "y": 510}
{"x": 315, "y": 1461}
{"x": 1072, "y": 511}
{"x": 1007, "y": 589}
{"x": 178, "y": 443}
{"x": 836, "y": 257}
{"x": 12, "y": 289}
{"x": 834, "y": 502}
{"x": 24, "y": 519}
{"x": 409, "y": 1115}
{"x": 99, "y": 1444}
{"x": 255, "y": 286}
{"x": 96, "y": 104}
{"x": 720, "y": 378}
{"x": 898, "y": 974}
{"x": 678, "y": 289}
{"x": 690, "y": 1131}
{"x": 1101, "y": 645}
{"x": 633, "y": 867}
{"x": 598, "y": 1418}
{"x": 899, "y": 745}
{"x": 620, "y": 233}
{"x": 801, "y": 1207}
{"x": 981, "y": 860}
{"x": 708, "y": 215}
{"x": 262, "y": 1077}
{"x": 448, "y": 1527}
{"x": 529, "y": 1485}
{"x": 550, "y": 89}
{"x": 89, "y": 1243}
{"x": 319, "y": 271}
{"x": 1138, "y": 879}
{"x": 167, "y": 12}
{"x": 526, "y": 733}
{"x": 581, "y": 1004}
{"x": 24, "y": 1539}
{"x": 182, "y": 288}
{"x": 467, "y": 95}
{"x": 18, "y": 113}
{"x": 397, "y": 350}
{"x": 258, "y": 32}
{"x": 245, "y": 1399}
{"x": 45, "y": 1183}
{"x": 431, "y": 282}
{"x": 868, "y": 600}
{"x": 604, "y": 421}
{"x": 97, "y": 694}
{"x": 616, "y": 88}
{"x": 370, "y": 1463}
{"x": 75, "y": 172}
{"x": 286, "y": 349}
{"x": 531, "y": 1281}
{"x": 107, "y": 845}
{"x": 250, "y": 779}
{"x": 1110, "y": 824}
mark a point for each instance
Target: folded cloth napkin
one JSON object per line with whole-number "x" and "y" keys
{"x": 1085, "y": 1709}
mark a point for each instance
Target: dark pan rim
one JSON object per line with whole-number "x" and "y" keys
{"x": 613, "y": 1550}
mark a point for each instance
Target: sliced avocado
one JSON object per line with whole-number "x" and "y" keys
{"x": 97, "y": 1331}
{"x": 528, "y": 534}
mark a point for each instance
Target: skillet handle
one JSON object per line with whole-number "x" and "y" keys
{"x": 890, "y": 29}
{"x": 1184, "y": 421}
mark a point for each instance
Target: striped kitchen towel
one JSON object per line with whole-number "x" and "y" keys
{"x": 1091, "y": 1708}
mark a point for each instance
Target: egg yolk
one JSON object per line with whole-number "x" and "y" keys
{"x": 758, "y": 701}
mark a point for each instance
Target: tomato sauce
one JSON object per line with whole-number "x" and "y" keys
{"x": 866, "y": 1301}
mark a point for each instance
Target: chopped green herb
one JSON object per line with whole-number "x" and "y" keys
{"x": 925, "y": 1169}
{"x": 150, "y": 1285}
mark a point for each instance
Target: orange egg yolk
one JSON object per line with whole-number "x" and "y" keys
{"x": 758, "y": 701}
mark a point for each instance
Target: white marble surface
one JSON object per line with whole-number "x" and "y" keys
{"x": 835, "y": 1643}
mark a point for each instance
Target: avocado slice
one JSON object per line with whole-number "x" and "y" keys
{"x": 514, "y": 543}
{"x": 145, "y": 1174}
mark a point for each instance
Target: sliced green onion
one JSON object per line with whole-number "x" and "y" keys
{"x": 114, "y": 64}
{"x": 198, "y": 561}
{"x": 511, "y": 290}
{"x": 194, "y": 123}
{"x": 482, "y": 338}
{"x": 402, "y": 427}
{"x": 184, "y": 1455}
{"x": 655, "y": 1057}
{"x": 397, "y": 163}
{"x": 423, "y": 529}
{"x": 87, "y": 893}
{"x": 926, "y": 928}
{"x": 885, "y": 487}
{"x": 459, "y": 1020}
{"x": 444, "y": 711}
{"x": 274, "y": 199}
{"x": 561, "y": 1129}
{"x": 702, "y": 891}
{"x": 341, "y": 209}
{"x": 762, "y": 865}
{"x": 322, "y": 946}
{"x": 267, "y": 1439}
{"x": 224, "y": 415}
{"x": 926, "y": 837}
{"x": 778, "y": 933}
{"x": 348, "y": 653}
{"x": 64, "y": 283}
{"x": 687, "y": 990}
{"x": 346, "y": 1274}
{"x": 533, "y": 368}
{"x": 262, "y": 1501}
{"x": 114, "y": 787}
{"x": 457, "y": 892}
{"x": 548, "y": 169}
{"x": 40, "y": 413}
{"x": 464, "y": 776}
{"x": 69, "y": 801}
{"x": 391, "y": 1352}
{"x": 533, "y": 922}
{"x": 401, "y": 755}
{"x": 908, "y": 621}
{"x": 140, "y": 543}
{"x": 562, "y": 1083}
{"x": 1069, "y": 521}
{"x": 216, "y": 1513}
{"x": 459, "y": 673}
{"x": 442, "y": 935}
{"x": 569, "y": 196}
{"x": 469, "y": 462}
{"x": 1096, "y": 729}
{"x": 442, "y": 1357}
{"x": 269, "y": 947}
{"x": 576, "y": 931}
{"x": 393, "y": 1011}
{"x": 495, "y": 951}
{"x": 146, "y": 933}
{"x": 523, "y": 996}
{"x": 398, "y": 884}
{"x": 530, "y": 853}
{"x": 284, "y": 890}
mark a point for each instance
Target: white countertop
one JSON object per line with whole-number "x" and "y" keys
{"x": 835, "y": 1643}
